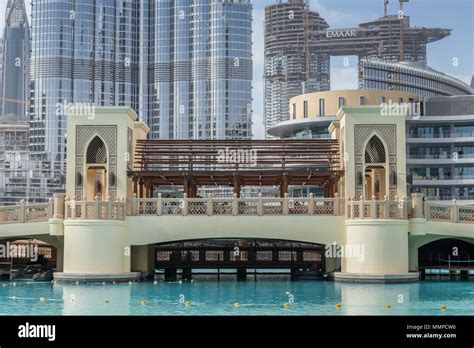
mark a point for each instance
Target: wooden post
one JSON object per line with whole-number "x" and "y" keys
{"x": 284, "y": 185}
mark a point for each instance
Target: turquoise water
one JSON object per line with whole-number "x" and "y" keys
{"x": 263, "y": 297}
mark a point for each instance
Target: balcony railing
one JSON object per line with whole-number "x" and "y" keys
{"x": 234, "y": 206}
{"x": 397, "y": 209}
{"x": 377, "y": 209}
{"x": 449, "y": 213}
{"x": 23, "y": 213}
{"x": 95, "y": 210}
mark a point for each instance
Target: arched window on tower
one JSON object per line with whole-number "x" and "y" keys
{"x": 96, "y": 152}
{"x": 375, "y": 151}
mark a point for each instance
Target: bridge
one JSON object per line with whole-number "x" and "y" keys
{"x": 164, "y": 221}
{"x": 113, "y": 221}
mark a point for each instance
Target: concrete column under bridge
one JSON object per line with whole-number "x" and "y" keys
{"x": 382, "y": 252}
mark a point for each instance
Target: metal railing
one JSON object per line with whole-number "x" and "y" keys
{"x": 24, "y": 213}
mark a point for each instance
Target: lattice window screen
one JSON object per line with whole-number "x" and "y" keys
{"x": 96, "y": 152}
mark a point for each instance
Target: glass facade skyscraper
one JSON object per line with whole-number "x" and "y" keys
{"x": 16, "y": 59}
{"x": 185, "y": 66}
{"x": 196, "y": 81}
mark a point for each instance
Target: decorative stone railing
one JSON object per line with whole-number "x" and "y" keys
{"x": 63, "y": 208}
{"x": 23, "y": 213}
{"x": 95, "y": 210}
{"x": 397, "y": 209}
{"x": 234, "y": 206}
{"x": 449, "y": 213}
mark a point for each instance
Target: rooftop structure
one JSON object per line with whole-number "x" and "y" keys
{"x": 409, "y": 77}
{"x": 299, "y": 45}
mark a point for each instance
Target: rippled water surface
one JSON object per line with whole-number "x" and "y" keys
{"x": 229, "y": 297}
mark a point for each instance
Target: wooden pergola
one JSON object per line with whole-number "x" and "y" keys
{"x": 235, "y": 163}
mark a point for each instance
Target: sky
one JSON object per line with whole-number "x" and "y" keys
{"x": 453, "y": 55}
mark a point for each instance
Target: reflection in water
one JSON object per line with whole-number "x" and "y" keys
{"x": 361, "y": 299}
{"x": 263, "y": 297}
{"x": 89, "y": 299}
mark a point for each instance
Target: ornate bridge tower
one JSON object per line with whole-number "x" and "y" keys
{"x": 374, "y": 187}
{"x": 99, "y": 154}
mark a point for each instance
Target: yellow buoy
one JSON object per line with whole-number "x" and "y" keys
{"x": 286, "y": 305}
{"x": 338, "y": 305}
{"x": 143, "y": 302}
{"x": 187, "y": 303}
{"x": 77, "y": 282}
{"x": 42, "y": 298}
{"x": 387, "y": 306}
{"x": 236, "y": 305}
{"x": 155, "y": 282}
{"x": 443, "y": 307}
{"x": 106, "y": 301}
{"x": 28, "y": 283}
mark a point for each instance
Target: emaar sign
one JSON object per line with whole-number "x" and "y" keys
{"x": 341, "y": 33}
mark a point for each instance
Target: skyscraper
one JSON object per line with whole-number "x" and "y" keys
{"x": 196, "y": 82}
{"x": 185, "y": 66}
{"x": 299, "y": 45}
{"x": 16, "y": 59}
{"x": 290, "y": 69}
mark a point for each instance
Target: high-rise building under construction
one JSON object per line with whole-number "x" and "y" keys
{"x": 299, "y": 44}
